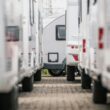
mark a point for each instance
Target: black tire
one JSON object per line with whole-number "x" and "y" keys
{"x": 99, "y": 93}
{"x": 9, "y": 101}
{"x": 37, "y": 76}
{"x": 79, "y": 74}
{"x": 64, "y": 73}
{"x": 27, "y": 84}
{"x": 71, "y": 73}
{"x": 56, "y": 72}
{"x": 85, "y": 80}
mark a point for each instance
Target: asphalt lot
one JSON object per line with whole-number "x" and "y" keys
{"x": 58, "y": 94}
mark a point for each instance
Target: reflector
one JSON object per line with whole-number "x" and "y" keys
{"x": 75, "y": 57}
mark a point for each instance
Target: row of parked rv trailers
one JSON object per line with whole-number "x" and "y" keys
{"x": 87, "y": 45}
{"x": 22, "y": 54}
{"x": 20, "y": 49}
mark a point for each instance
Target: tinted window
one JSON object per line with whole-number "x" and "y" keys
{"x": 80, "y": 11}
{"x": 88, "y": 6}
{"x": 95, "y": 1}
{"x": 12, "y": 33}
{"x": 31, "y": 9}
{"x": 60, "y": 32}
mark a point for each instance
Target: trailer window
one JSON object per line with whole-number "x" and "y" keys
{"x": 95, "y": 1}
{"x": 53, "y": 57}
{"x": 60, "y": 32}
{"x": 88, "y": 6}
{"x": 80, "y": 12}
{"x": 12, "y": 33}
{"x": 31, "y": 9}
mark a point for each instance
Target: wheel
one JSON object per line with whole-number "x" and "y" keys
{"x": 37, "y": 76}
{"x": 71, "y": 73}
{"x": 85, "y": 80}
{"x": 9, "y": 101}
{"x": 99, "y": 93}
{"x": 27, "y": 84}
{"x": 64, "y": 73}
{"x": 78, "y": 72}
{"x": 56, "y": 72}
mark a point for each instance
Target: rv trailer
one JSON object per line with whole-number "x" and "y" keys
{"x": 104, "y": 47}
{"x": 19, "y": 36}
{"x": 84, "y": 26}
{"x": 95, "y": 31}
{"x": 73, "y": 45}
{"x": 10, "y": 52}
{"x": 54, "y": 36}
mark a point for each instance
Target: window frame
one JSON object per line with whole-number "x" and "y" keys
{"x": 80, "y": 12}
{"x": 60, "y": 39}
{"x": 31, "y": 11}
{"x": 95, "y": 1}
{"x": 55, "y": 53}
{"x": 88, "y": 6}
{"x": 15, "y": 28}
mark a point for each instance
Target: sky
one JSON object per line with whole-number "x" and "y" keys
{"x": 58, "y": 6}
{"x": 59, "y": 3}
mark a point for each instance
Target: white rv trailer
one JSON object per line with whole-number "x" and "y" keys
{"x": 104, "y": 43}
{"x": 54, "y": 35}
{"x": 84, "y": 25}
{"x": 10, "y": 21}
{"x": 16, "y": 64}
{"x": 31, "y": 37}
{"x": 96, "y": 36}
{"x": 34, "y": 46}
{"x": 36, "y": 30}
{"x": 72, "y": 40}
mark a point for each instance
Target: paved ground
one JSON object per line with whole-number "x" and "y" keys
{"x": 58, "y": 94}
